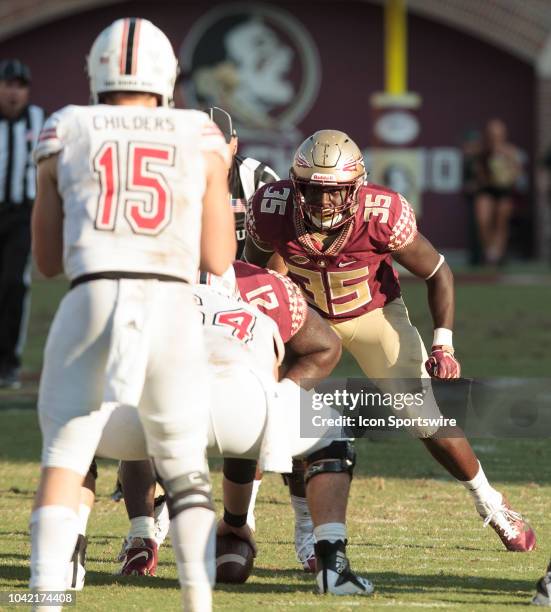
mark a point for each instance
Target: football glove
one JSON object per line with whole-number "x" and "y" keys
{"x": 442, "y": 363}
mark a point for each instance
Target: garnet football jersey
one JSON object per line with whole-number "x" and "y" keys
{"x": 351, "y": 275}
{"x": 274, "y": 295}
{"x": 132, "y": 181}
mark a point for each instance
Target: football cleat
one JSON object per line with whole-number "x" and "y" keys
{"x": 515, "y": 533}
{"x": 140, "y": 558}
{"x": 543, "y": 590}
{"x": 304, "y": 547}
{"x": 334, "y": 575}
{"x": 77, "y": 565}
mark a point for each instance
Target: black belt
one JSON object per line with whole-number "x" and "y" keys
{"x": 86, "y": 278}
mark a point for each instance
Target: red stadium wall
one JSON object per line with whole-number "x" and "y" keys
{"x": 462, "y": 82}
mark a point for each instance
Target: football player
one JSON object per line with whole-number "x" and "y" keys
{"x": 255, "y": 417}
{"x": 132, "y": 199}
{"x": 338, "y": 236}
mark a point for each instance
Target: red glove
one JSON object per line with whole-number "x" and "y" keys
{"x": 442, "y": 363}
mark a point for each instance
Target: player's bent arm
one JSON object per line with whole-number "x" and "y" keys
{"x": 257, "y": 253}
{"x": 423, "y": 260}
{"x": 47, "y": 220}
{"x": 313, "y": 352}
{"x": 218, "y": 244}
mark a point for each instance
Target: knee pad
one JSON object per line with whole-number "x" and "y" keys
{"x": 191, "y": 490}
{"x": 240, "y": 471}
{"x": 338, "y": 457}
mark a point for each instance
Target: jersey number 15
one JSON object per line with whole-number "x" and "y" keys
{"x": 146, "y": 196}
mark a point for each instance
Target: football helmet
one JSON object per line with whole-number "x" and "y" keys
{"x": 132, "y": 55}
{"x": 327, "y": 171}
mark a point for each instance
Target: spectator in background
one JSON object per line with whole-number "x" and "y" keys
{"x": 20, "y": 125}
{"x": 470, "y": 147}
{"x": 496, "y": 170}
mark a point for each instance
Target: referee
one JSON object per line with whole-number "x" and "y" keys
{"x": 246, "y": 175}
{"x": 20, "y": 125}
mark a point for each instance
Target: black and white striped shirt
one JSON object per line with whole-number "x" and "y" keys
{"x": 247, "y": 175}
{"x": 18, "y": 138}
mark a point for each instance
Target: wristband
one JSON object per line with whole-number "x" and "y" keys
{"x": 442, "y": 337}
{"x": 234, "y": 520}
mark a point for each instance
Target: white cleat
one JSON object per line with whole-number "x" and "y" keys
{"x": 304, "y": 547}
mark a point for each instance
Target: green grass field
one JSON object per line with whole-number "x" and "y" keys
{"x": 412, "y": 530}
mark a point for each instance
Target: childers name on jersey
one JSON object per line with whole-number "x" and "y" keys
{"x": 118, "y": 122}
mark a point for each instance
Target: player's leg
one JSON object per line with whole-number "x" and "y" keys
{"x": 77, "y": 565}
{"x": 304, "y": 527}
{"x": 174, "y": 411}
{"x": 71, "y": 422}
{"x": 139, "y": 553}
{"x": 328, "y": 475}
{"x": 237, "y": 485}
{"x": 238, "y": 397}
{"x": 328, "y": 472}
{"x": 401, "y": 356}
{"x": 123, "y": 438}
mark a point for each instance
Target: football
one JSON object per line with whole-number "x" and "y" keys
{"x": 234, "y": 559}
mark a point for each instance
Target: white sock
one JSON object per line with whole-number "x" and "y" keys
{"x": 54, "y": 531}
{"x": 254, "y": 493}
{"x": 142, "y": 527}
{"x": 481, "y": 490}
{"x": 330, "y": 532}
{"x": 193, "y": 539}
{"x": 83, "y": 515}
{"x": 251, "y": 521}
{"x": 303, "y": 518}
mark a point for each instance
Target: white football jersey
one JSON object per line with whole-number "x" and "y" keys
{"x": 237, "y": 333}
{"x": 132, "y": 180}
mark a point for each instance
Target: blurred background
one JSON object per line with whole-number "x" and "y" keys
{"x": 414, "y": 82}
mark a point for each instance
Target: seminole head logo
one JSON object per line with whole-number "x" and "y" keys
{"x": 258, "y": 62}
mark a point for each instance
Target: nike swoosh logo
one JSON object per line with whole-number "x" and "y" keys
{"x": 138, "y": 556}
{"x": 343, "y": 264}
